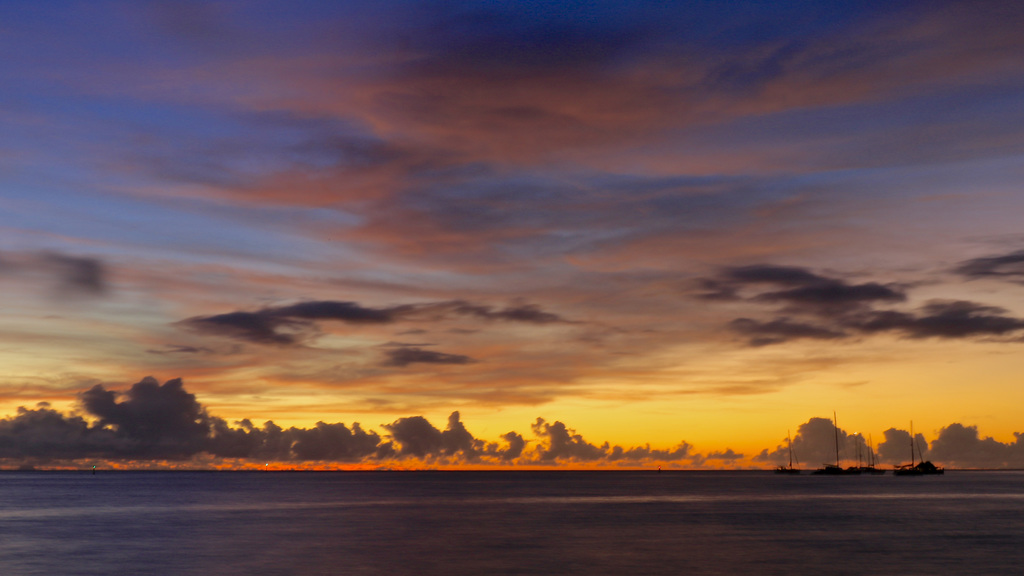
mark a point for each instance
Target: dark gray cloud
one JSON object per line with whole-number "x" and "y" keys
{"x": 402, "y": 357}
{"x": 255, "y": 327}
{"x": 456, "y": 439}
{"x": 1008, "y": 267}
{"x": 940, "y": 319}
{"x": 817, "y": 307}
{"x": 152, "y": 419}
{"x": 814, "y": 445}
{"x": 333, "y": 442}
{"x": 834, "y": 294}
{"x": 956, "y": 446}
{"x": 896, "y": 447}
{"x": 527, "y": 313}
{"x": 781, "y": 330}
{"x": 683, "y": 451}
{"x": 331, "y": 310}
{"x": 43, "y": 434}
{"x": 564, "y": 444}
{"x": 69, "y": 275}
{"x": 324, "y": 442}
{"x": 962, "y": 446}
{"x": 287, "y": 325}
{"x": 415, "y": 436}
{"x": 78, "y": 274}
{"x": 772, "y": 274}
{"x": 181, "y": 349}
{"x": 519, "y": 312}
{"x": 728, "y": 455}
{"x": 516, "y": 445}
{"x": 246, "y": 441}
{"x": 796, "y": 287}
{"x": 295, "y": 323}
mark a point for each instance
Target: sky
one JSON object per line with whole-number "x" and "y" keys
{"x": 495, "y": 234}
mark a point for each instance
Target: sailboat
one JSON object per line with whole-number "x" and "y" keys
{"x": 835, "y": 469}
{"x": 788, "y": 469}
{"x": 870, "y": 468}
{"x": 922, "y": 468}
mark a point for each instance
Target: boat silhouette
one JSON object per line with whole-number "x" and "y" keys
{"x": 870, "y": 468}
{"x": 922, "y": 468}
{"x": 836, "y": 469}
{"x": 788, "y": 469}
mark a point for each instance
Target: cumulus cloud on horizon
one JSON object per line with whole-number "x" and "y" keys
{"x": 152, "y": 422}
{"x": 955, "y": 445}
{"x": 164, "y": 422}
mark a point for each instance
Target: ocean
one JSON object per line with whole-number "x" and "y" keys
{"x": 509, "y": 522}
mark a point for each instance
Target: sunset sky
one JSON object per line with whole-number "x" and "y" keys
{"x": 677, "y": 228}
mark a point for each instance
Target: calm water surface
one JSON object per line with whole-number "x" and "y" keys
{"x": 457, "y": 523}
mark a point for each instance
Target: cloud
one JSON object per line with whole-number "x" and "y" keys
{"x": 781, "y": 330}
{"x": 772, "y": 274}
{"x": 295, "y": 323}
{"x": 78, "y": 274}
{"x": 727, "y": 455}
{"x": 43, "y": 434}
{"x": 349, "y": 312}
{"x": 940, "y": 319}
{"x": 800, "y": 289}
{"x": 526, "y": 313}
{"x": 246, "y": 441}
{"x": 416, "y": 437}
{"x": 682, "y": 452}
{"x": 255, "y": 327}
{"x": 153, "y": 420}
{"x": 69, "y": 275}
{"x": 815, "y": 444}
{"x": 829, "y": 308}
{"x": 516, "y": 444}
{"x": 286, "y": 325}
{"x": 956, "y": 445}
{"x": 896, "y": 447}
{"x": 963, "y": 447}
{"x": 333, "y": 442}
{"x": 402, "y": 357}
{"x": 1007, "y": 267}
{"x": 181, "y": 349}
{"x": 564, "y": 444}
{"x": 834, "y": 295}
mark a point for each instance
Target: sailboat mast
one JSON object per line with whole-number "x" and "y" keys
{"x": 789, "y": 442}
{"x": 835, "y": 425}
{"x": 911, "y": 443}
